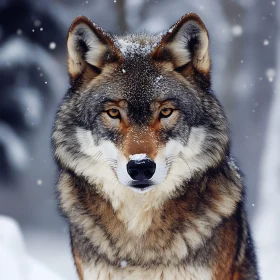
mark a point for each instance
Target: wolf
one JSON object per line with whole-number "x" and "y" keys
{"x": 147, "y": 182}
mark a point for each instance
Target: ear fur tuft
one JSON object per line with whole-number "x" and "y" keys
{"x": 186, "y": 41}
{"x": 87, "y": 43}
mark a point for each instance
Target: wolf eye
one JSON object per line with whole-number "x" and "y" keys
{"x": 114, "y": 113}
{"x": 166, "y": 112}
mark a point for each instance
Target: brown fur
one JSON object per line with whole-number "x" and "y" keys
{"x": 78, "y": 264}
{"x": 137, "y": 141}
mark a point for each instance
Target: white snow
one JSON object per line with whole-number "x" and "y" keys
{"x": 130, "y": 47}
{"x": 237, "y": 30}
{"x": 52, "y": 45}
{"x": 138, "y": 157}
{"x": 39, "y": 182}
{"x": 266, "y": 42}
{"x": 233, "y": 165}
{"x": 159, "y": 78}
{"x": 270, "y": 74}
{"x": 127, "y": 46}
{"x": 15, "y": 263}
{"x": 170, "y": 29}
{"x": 123, "y": 263}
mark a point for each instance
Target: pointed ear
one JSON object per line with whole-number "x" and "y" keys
{"x": 88, "y": 45}
{"x": 186, "y": 42}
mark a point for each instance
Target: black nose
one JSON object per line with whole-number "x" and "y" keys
{"x": 141, "y": 170}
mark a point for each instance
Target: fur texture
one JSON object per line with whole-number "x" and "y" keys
{"x": 149, "y": 95}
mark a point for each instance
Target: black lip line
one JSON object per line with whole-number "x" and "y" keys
{"x": 147, "y": 183}
{"x": 141, "y": 188}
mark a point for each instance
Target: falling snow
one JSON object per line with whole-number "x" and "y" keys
{"x": 237, "y": 30}
{"x": 52, "y": 45}
{"x": 39, "y": 182}
{"x": 270, "y": 74}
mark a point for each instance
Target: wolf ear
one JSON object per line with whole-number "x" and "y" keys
{"x": 186, "y": 42}
{"x": 88, "y": 45}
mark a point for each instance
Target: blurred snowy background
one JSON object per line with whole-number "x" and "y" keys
{"x": 245, "y": 48}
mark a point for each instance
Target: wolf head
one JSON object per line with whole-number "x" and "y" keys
{"x": 140, "y": 115}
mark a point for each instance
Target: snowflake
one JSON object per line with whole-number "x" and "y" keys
{"x": 52, "y": 45}
{"x": 39, "y": 182}
{"x": 266, "y": 42}
{"x": 237, "y": 30}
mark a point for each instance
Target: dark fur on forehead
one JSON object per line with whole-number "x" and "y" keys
{"x": 140, "y": 76}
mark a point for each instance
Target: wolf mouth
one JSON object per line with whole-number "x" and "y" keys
{"x": 140, "y": 188}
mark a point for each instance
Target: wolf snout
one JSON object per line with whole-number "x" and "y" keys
{"x": 141, "y": 170}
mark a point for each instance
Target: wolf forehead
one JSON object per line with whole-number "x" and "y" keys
{"x": 137, "y": 45}
{"x": 137, "y": 75}
{"x": 137, "y": 78}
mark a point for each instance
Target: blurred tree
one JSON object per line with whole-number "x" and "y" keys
{"x": 247, "y": 89}
{"x": 28, "y": 77}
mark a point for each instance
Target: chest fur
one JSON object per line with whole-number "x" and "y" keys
{"x": 171, "y": 239}
{"x": 104, "y": 272}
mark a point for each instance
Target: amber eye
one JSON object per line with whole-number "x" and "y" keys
{"x": 166, "y": 112}
{"x": 114, "y": 113}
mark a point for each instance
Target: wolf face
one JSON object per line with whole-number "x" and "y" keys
{"x": 139, "y": 115}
